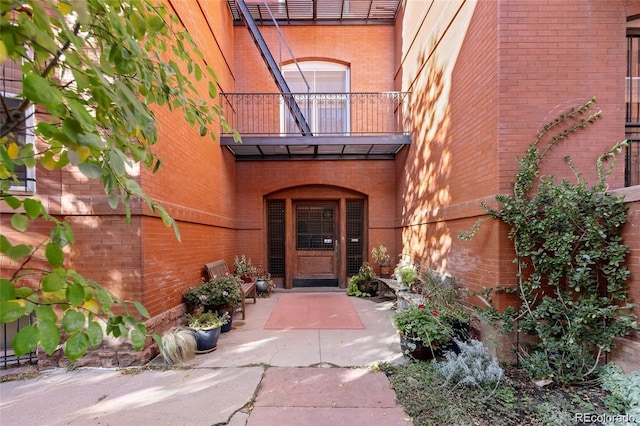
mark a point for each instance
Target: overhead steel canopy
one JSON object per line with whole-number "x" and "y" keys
{"x": 311, "y": 12}
{"x": 316, "y": 147}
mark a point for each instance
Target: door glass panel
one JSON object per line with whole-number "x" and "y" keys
{"x": 315, "y": 227}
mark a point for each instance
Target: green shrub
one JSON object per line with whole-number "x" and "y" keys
{"x": 571, "y": 278}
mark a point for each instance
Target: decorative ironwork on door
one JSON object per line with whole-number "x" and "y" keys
{"x": 315, "y": 227}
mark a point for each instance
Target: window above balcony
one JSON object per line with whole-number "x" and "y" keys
{"x": 313, "y": 12}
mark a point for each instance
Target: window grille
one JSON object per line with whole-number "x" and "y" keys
{"x": 632, "y": 158}
{"x": 276, "y": 237}
{"x": 355, "y": 231}
{"x": 315, "y": 226}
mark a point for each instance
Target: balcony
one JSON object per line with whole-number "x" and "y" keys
{"x": 371, "y": 125}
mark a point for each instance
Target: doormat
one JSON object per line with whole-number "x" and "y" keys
{"x": 330, "y": 282}
{"x": 314, "y": 312}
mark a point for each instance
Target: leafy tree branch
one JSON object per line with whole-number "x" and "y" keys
{"x": 570, "y": 258}
{"x": 96, "y": 70}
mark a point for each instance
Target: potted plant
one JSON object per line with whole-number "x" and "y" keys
{"x": 207, "y": 327}
{"x": 264, "y": 284}
{"x": 407, "y": 275}
{"x": 244, "y": 268}
{"x": 382, "y": 258}
{"x": 221, "y": 294}
{"x": 364, "y": 283}
{"x": 427, "y": 330}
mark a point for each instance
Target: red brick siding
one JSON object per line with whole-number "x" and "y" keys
{"x": 554, "y": 55}
{"x": 373, "y": 179}
{"x": 480, "y": 101}
{"x": 368, "y": 50}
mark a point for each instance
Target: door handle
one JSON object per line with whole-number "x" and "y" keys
{"x": 336, "y": 249}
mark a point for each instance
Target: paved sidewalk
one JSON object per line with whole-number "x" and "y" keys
{"x": 255, "y": 377}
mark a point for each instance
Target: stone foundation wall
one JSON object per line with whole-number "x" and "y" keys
{"x": 117, "y": 353}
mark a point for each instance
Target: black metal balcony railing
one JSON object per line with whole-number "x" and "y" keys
{"x": 328, "y": 114}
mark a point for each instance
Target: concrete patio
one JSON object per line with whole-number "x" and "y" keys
{"x": 254, "y": 377}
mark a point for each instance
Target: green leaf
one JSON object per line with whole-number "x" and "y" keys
{"x": 75, "y": 294}
{"x": 117, "y": 162}
{"x": 104, "y": 297}
{"x": 154, "y": 23}
{"x": 73, "y": 321}
{"x": 139, "y": 25}
{"x": 90, "y": 139}
{"x": 40, "y": 91}
{"x": 13, "y": 202}
{"x": 158, "y": 339}
{"x": 213, "y": 90}
{"x": 19, "y": 251}
{"x": 80, "y": 113}
{"x": 95, "y": 334}
{"x": 7, "y": 290}
{"x": 90, "y": 170}
{"x": 20, "y": 222}
{"x": 76, "y": 346}
{"x": 11, "y": 310}
{"x": 25, "y": 340}
{"x": 138, "y": 339}
{"x": 33, "y": 208}
{"x": 45, "y": 313}
{"x": 53, "y": 281}
{"x": 54, "y": 254}
{"x": 113, "y": 201}
{"x": 4, "y": 244}
{"x": 143, "y": 311}
{"x": 24, "y": 292}
{"x": 49, "y": 335}
{"x": 62, "y": 234}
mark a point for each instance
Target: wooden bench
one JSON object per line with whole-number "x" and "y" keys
{"x": 219, "y": 269}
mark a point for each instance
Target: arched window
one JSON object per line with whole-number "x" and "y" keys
{"x": 320, "y": 89}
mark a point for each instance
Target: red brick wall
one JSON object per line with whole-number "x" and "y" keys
{"x": 450, "y": 66}
{"x": 484, "y": 80}
{"x": 144, "y": 261}
{"x": 485, "y": 77}
{"x": 256, "y": 180}
{"x": 368, "y": 50}
{"x": 554, "y": 55}
{"x": 197, "y": 181}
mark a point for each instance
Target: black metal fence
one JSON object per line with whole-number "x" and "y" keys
{"x": 340, "y": 114}
{"x": 7, "y": 356}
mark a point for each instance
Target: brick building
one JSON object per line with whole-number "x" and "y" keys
{"x": 454, "y": 92}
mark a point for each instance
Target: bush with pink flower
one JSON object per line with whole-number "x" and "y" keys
{"x": 218, "y": 292}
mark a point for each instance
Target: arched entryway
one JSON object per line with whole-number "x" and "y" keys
{"x": 315, "y": 235}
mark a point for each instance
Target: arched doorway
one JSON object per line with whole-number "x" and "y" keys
{"x": 315, "y": 235}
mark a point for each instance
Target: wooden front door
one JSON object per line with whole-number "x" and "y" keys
{"x": 316, "y": 243}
